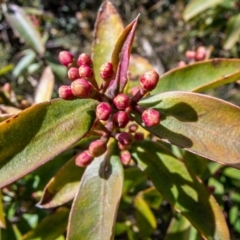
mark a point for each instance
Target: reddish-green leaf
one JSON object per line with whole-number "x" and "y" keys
{"x": 50, "y": 227}
{"x": 108, "y": 28}
{"x": 181, "y": 189}
{"x": 200, "y": 76}
{"x": 63, "y": 186}
{"x": 204, "y": 125}
{"x": 39, "y": 133}
{"x": 121, "y": 58}
{"x": 45, "y": 86}
{"x": 94, "y": 209}
{"x": 23, "y": 27}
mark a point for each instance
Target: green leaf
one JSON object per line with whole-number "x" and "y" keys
{"x": 6, "y": 69}
{"x": 94, "y": 209}
{"x": 39, "y": 133}
{"x": 181, "y": 189}
{"x": 23, "y": 27}
{"x": 108, "y": 28}
{"x": 201, "y": 124}
{"x": 45, "y": 86}
{"x": 152, "y": 197}
{"x": 145, "y": 218}
{"x": 63, "y": 186}
{"x": 50, "y": 227}
{"x": 2, "y": 218}
{"x": 233, "y": 32}
{"x": 232, "y": 173}
{"x": 196, "y": 7}
{"x": 200, "y": 76}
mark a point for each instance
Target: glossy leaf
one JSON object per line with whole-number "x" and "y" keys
{"x": 39, "y": 133}
{"x": 23, "y": 27}
{"x": 50, "y": 227}
{"x": 121, "y": 58}
{"x": 181, "y": 189}
{"x": 45, "y": 86}
{"x": 108, "y": 28}
{"x": 196, "y": 7}
{"x": 94, "y": 208}
{"x": 145, "y": 218}
{"x": 2, "y": 218}
{"x": 63, "y": 186}
{"x": 233, "y": 32}
{"x": 200, "y": 76}
{"x": 201, "y": 124}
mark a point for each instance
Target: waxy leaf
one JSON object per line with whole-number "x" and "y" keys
{"x": 108, "y": 28}
{"x": 41, "y": 132}
{"x": 95, "y": 206}
{"x": 121, "y": 58}
{"x": 233, "y": 32}
{"x": 201, "y": 124}
{"x": 50, "y": 227}
{"x": 23, "y": 27}
{"x": 196, "y": 7}
{"x": 63, "y": 186}
{"x": 181, "y": 189}
{"x": 45, "y": 86}
{"x": 200, "y": 76}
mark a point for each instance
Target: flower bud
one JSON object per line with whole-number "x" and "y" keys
{"x": 65, "y": 92}
{"x": 97, "y": 148}
{"x": 125, "y": 157}
{"x": 81, "y": 88}
{"x": 151, "y": 117}
{"x": 135, "y": 90}
{"x": 85, "y": 72}
{"x": 138, "y": 136}
{"x": 103, "y": 111}
{"x": 121, "y": 101}
{"x": 133, "y": 128}
{"x": 201, "y": 53}
{"x": 106, "y": 71}
{"x": 149, "y": 80}
{"x": 190, "y": 54}
{"x": 125, "y": 138}
{"x": 121, "y": 119}
{"x": 181, "y": 64}
{"x": 84, "y": 59}
{"x": 65, "y": 58}
{"x": 73, "y": 73}
{"x": 83, "y": 159}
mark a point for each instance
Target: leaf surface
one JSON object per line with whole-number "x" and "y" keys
{"x": 108, "y": 28}
{"x": 41, "y": 132}
{"x": 200, "y": 76}
{"x": 181, "y": 189}
{"x": 2, "y": 218}
{"x": 23, "y": 27}
{"x": 95, "y": 206}
{"x": 201, "y": 124}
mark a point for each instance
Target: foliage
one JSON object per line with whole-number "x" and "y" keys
{"x": 150, "y": 179}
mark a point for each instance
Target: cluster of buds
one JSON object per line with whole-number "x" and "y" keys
{"x": 194, "y": 56}
{"x": 115, "y": 113}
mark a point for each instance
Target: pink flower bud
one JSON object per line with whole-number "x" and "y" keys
{"x": 151, "y": 117}
{"x": 65, "y": 58}
{"x": 149, "y": 80}
{"x": 73, "y": 73}
{"x": 84, "y": 59}
{"x": 65, "y": 92}
{"x": 125, "y": 157}
{"x": 201, "y": 53}
{"x": 125, "y": 138}
{"x": 121, "y": 101}
{"x": 83, "y": 159}
{"x": 190, "y": 54}
{"x": 138, "y": 136}
{"x": 181, "y": 64}
{"x": 106, "y": 71}
{"x": 97, "y": 148}
{"x": 133, "y": 127}
{"x": 135, "y": 90}
{"x": 86, "y": 72}
{"x": 103, "y": 111}
{"x": 121, "y": 119}
{"x": 81, "y": 88}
